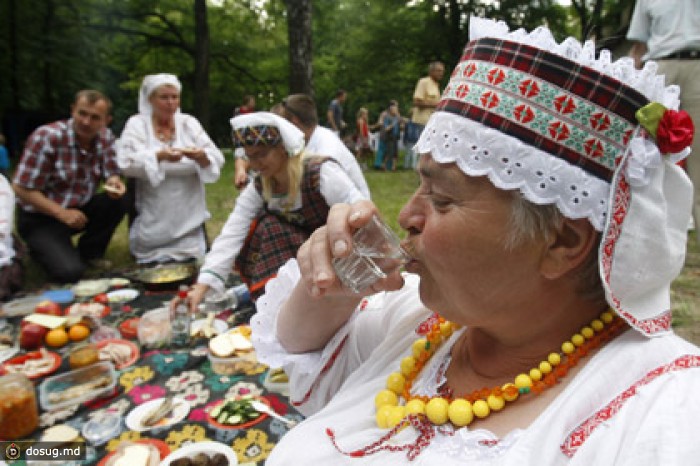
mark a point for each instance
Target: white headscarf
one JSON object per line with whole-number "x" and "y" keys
{"x": 152, "y": 82}
{"x": 292, "y": 137}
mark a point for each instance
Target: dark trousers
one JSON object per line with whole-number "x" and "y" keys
{"x": 50, "y": 241}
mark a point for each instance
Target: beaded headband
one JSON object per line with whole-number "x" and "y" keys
{"x": 598, "y": 139}
{"x": 265, "y": 128}
{"x": 261, "y": 135}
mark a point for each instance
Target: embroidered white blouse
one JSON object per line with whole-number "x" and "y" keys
{"x": 335, "y": 188}
{"x": 635, "y": 402}
{"x": 170, "y": 196}
{"x": 7, "y": 220}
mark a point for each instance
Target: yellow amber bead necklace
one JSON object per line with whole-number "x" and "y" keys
{"x": 479, "y": 404}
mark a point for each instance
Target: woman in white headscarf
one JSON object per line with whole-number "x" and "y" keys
{"x": 289, "y": 198}
{"x": 171, "y": 157}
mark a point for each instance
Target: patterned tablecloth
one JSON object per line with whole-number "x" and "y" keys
{"x": 186, "y": 373}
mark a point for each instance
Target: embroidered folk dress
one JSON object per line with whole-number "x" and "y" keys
{"x": 170, "y": 196}
{"x": 335, "y": 187}
{"x": 634, "y": 402}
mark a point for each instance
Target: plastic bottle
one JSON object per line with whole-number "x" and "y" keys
{"x": 180, "y": 320}
{"x": 239, "y": 295}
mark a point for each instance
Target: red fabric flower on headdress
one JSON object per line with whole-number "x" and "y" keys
{"x": 675, "y": 131}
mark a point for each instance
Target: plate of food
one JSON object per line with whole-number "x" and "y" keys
{"x": 208, "y": 327}
{"x": 236, "y": 412}
{"x": 122, "y": 353}
{"x": 142, "y": 452}
{"x": 166, "y": 277}
{"x": 87, "y": 309}
{"x": 78, "y": 386}
{"x": 20, "y": 306}
{"x": 119, "y": 282}
{"x": 206, "y": 453}
{"x": 34, "y": 364}
{"x": 236, "y": 340}
{"x": 88, "y": 288}
{"x": 160, "y": 412}
{"x": 129, "y": 327}
{"x": 123, "y": 295}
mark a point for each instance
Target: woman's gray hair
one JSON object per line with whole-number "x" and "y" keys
{"x": 529, "y": 221}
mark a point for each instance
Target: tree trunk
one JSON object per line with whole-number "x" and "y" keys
{"x": 47, "y": 64}
{"x": 201, "y": 63}
{"x": 14, "y": 51}
{"x": 300, "y": 50}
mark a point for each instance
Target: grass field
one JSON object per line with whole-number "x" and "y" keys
{"x": 390, "y": 190}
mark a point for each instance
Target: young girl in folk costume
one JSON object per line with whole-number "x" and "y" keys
{"x": 288, "y": 199}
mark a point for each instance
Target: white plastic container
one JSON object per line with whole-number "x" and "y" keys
{"x": 154, "y": 330}
{"x": 237, "y": 364}
{"x": 67, "y": 380}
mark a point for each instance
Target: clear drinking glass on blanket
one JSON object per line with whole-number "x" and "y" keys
{"x": 376, "y": 252}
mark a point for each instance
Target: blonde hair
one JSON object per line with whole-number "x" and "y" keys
{"x": 295, "y": 172}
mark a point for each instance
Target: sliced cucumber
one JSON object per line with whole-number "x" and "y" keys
{"x": 235, "y": 419}
{"x": 216, "y": 411}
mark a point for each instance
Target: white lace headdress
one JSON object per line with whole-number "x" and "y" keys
{"x": 580, "y": 132}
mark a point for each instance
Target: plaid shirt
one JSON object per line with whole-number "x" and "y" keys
{"x": 54, "y": 164}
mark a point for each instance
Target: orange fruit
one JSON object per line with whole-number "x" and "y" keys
{"x": 56, "y": 337}
{"x": 79, "y": 332}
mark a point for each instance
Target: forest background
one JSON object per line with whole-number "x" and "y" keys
{"x": 225, "y": 49}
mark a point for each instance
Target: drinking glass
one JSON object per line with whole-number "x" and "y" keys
{"x": 376, "y": 252}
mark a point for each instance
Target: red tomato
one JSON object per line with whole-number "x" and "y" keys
{"x": 48, "y": 307}
{"x": 101, "y": 298}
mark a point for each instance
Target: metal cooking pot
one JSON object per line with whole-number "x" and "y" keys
{"x": 165, "y": 277}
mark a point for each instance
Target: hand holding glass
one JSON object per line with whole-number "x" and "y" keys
{"x": 376, "y": 253}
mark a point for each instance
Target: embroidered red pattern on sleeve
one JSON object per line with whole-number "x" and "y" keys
{"x": 579, "y": 435}
{"x": 362, "y": 306}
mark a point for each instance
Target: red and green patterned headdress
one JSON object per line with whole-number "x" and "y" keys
{"x": 584, "y": 133}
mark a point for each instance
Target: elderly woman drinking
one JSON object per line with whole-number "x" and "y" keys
{"x": 171, "y": 157}
{"x": 532, "y": 325}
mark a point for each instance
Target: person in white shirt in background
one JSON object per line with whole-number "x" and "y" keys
{"x": 668, "y": 33}
{"x": 11, "y": 268}
{"x": 300, "y": 109}
{"x": 425, "y": 98}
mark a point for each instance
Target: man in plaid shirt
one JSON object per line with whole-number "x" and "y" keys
{"x": 56, "y": 183}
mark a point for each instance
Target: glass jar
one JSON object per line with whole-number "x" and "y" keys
{"x": 19, "y": 416}
{"x": 83, "y": 355}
